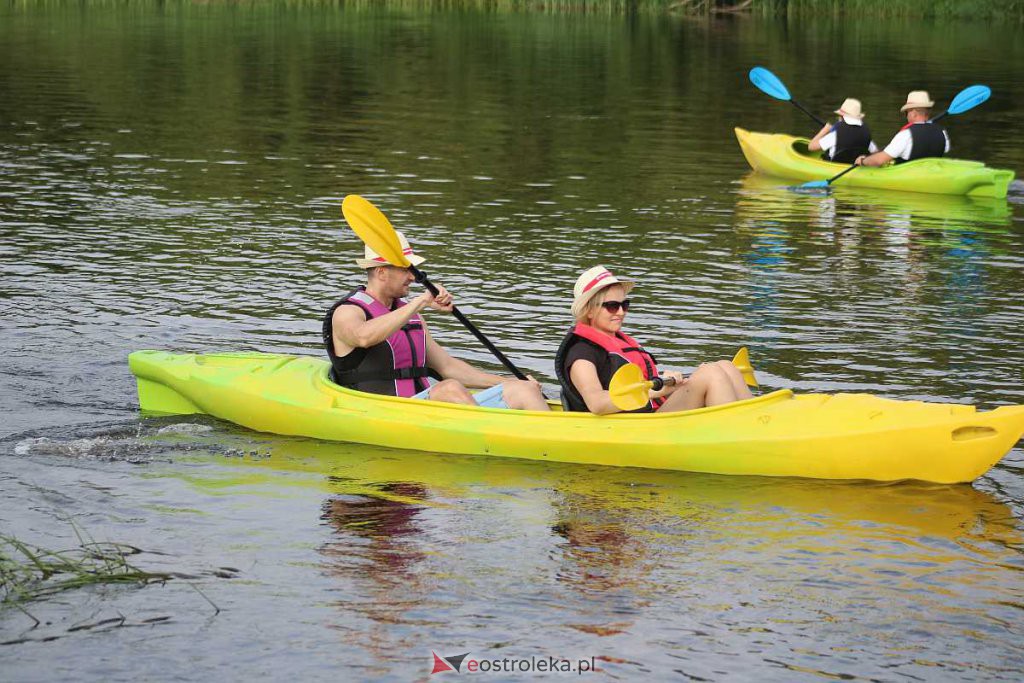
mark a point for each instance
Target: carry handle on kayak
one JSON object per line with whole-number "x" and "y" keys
{"x": 374, "y": 228}
{"x": 965, "y": 100}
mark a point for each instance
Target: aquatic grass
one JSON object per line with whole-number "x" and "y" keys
{"x": 29, "y": 572}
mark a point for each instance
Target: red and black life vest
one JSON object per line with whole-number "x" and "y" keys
{"x": 396, "y": 366}
{"x": 929, "y": 140}
{"x": 621, "y": 349}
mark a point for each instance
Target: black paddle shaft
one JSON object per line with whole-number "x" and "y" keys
{"x": 840, "y": 175}
{"x": 804, "y": 110}
{"x": 422, "y": 279}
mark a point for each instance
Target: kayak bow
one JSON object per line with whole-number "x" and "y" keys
{"x": 840, "y": 436}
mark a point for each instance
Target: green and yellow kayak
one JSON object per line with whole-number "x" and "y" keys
{"x": 840, "y": 436}
{"x": 786, "y": 156}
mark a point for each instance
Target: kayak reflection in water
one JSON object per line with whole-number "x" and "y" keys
{"x": 378, "y": 343}
{"x": 596, "y": 347}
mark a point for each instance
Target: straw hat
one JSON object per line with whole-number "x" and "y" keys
{"x": 372, "y": 260}
{"x": 918, "y": 99}
{"x": 850, "y": 109}
{"x": 592, "y": 282}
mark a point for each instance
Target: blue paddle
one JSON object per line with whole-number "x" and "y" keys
{"x": 965, "y": 100}
{"x": 769, "y": 84}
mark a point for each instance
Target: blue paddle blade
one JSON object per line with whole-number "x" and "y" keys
{"x": 815, "y": 184}
{"x": 969, "y": 98}
{"x": 769, "y": 83}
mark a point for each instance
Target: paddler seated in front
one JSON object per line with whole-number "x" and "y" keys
{"x": 847, "y": 138}
{"x": 919, "y": 139}
{"x": 377, "y": 342}
{"x": 596, "y": 347}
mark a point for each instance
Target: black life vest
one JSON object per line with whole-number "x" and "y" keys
{"x": 396, "y": 366}
{"x": 929, "y": 141}
{"x": 622, "y": 349}
{"x": 851, "y": 142}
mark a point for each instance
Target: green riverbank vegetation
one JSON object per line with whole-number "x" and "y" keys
{"x": 952, "y": 9}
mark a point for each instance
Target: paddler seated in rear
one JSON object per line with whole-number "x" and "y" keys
{"x": 919, "y": 139}
{"x": 847, "y": 138}
{"x": 378, "y": 343}
{"x": 596, "y": 347}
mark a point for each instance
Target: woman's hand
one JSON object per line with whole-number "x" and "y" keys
{"x": 669, "y": 389}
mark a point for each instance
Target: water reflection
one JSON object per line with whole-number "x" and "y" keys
{"x": 626, "y": 549}
{"x": 375, "y": 555}
{"x": 784, "y": 200}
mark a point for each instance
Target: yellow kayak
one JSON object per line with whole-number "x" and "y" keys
{"x": 786, "y": 156}
{"x": 839, "y": 436}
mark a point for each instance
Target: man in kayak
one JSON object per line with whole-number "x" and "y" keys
{"x": 378, "y": 343}
{"x": 919, "y": 139}
{"x": 596, "y": 347}
{"x": 846, "y": 139}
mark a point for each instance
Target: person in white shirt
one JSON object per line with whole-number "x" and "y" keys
{"x": 846, "y": 139}
{"x": 919, "y": 139}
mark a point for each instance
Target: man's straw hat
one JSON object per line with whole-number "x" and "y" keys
{"x": 918, "y": 99}
{"x": 372, "y": 260}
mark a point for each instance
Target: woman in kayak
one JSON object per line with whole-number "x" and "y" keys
{"x": 596, "y": 347}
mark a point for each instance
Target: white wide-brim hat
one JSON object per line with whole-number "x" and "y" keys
{"x": 851, "y": 108}
{"x": 592, "y": 282}
{"x": 918, "y": 99}
{"x": 372, "y": 259}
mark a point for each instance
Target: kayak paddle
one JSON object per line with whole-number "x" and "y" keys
{"x": 769, "y": 84}
{"x": 965, "y": 100}
{"x": 375, "y": 230}
{"x": 630, "y": 391}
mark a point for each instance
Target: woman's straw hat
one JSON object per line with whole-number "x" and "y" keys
{"x": 592, "y": 282}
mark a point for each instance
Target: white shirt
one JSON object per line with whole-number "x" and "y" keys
{"x": 828, "y": 142}
{"x": 903, "y": 144}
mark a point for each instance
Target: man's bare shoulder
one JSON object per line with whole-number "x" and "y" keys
{"x": 348, "y": 315}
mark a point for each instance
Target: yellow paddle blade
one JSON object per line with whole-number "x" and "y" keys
{"x": 374, "y": 229}
{"x": 742, "y": 361}
{"x": 628, "y": 388}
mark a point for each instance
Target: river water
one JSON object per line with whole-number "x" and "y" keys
{"x": 170, "y": 178}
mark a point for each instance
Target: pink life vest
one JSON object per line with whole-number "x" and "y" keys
{"x": 396, "y": 366}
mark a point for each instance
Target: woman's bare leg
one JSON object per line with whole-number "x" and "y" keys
{"x": 736, "y": 377}
{"x": 709, "y": 385}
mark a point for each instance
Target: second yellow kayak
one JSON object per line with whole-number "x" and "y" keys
{"x": 786, "y": 156}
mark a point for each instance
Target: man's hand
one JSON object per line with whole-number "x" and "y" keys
{"x": 442, "y": 302}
